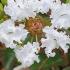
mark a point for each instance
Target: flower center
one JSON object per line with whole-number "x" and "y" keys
{"x": 34, "y": 26}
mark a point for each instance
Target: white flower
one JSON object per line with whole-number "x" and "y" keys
{"x": 27, "y": 54}
{"x": 9, "y": 33}
{"x": 61, "y": 16}
{"x": 18, "y": 10}
{"x": 54, "y": 39}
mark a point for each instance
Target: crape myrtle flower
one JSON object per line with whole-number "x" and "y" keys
{"x": 54, "y": 40}
{"x": 20, "y": 9}
{"x": 27, "y": 54}
{"x": 61, "y": 16}
{"x": 10, "y": 33}
{"x": 48, "y": 37}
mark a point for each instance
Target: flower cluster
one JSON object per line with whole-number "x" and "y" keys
{"x": 51, "y": 37}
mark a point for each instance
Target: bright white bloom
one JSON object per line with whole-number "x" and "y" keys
{"x": 20, "y": 9}
{"x": 54, "y": 39}
{"x": 9, "y": 33}
{"x": 61, "y": 16}
{"x": 27, "y": 54}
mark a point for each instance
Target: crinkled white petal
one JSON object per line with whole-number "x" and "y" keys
{"x": 54, "y": 39}
{"x": 61, "y": 16}
{"x": 9, "y": 33}
{"x": 50, "y": 44}
{"x": 27, "y": 54}
{"x": 21, "y": 9}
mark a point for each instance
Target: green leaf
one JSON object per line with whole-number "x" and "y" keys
{"x": 1, "y": 7}
{"x": 47, "y": 63}
{"x": 1, "y": 20}
{"x": 4, "y": 2}
{"x": 46, "y": 20}
{"x": 9, "y": 57}
{"x": 67, "y": 1}
{"x": 64, "y": 1}
{"x": 28, "y": 39}
{"x": 1, "y": 11}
